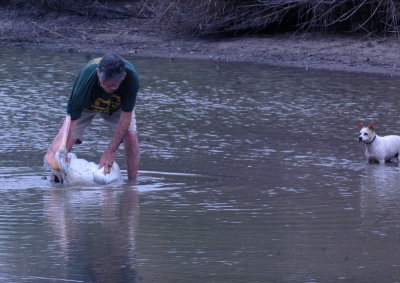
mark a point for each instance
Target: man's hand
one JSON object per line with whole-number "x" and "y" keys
{"x": 107, "y": 160}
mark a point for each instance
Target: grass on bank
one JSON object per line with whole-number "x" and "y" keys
{"x": 229, "y": 17}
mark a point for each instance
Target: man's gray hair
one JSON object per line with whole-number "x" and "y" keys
{"x": 111, "y": 67}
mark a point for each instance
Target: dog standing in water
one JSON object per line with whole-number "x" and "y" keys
{"x": 379, "y": 149}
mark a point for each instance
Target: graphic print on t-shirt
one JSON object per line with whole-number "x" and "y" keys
{"x": 107, "y": 105}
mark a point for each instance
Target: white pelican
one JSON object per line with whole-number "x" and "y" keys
{"x": 69, "y": 169}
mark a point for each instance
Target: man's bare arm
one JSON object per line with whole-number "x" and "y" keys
{"x": 107, "y": 159}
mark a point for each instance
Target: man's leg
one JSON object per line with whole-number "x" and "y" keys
{"x": 80, "y": 126}
{"x": 132, "y": 154}
{"x": 131, "y": 143}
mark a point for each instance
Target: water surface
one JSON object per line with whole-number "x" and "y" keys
{"x": 248, "y": 173}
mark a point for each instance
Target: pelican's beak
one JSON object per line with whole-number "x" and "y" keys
{"x": 59, "y": 141}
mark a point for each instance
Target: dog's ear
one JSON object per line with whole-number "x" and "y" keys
{"x": 360, "y": 126}
{"x": 370, "y": 126}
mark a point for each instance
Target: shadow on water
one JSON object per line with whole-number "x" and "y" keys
{"x": 248, "y": 174}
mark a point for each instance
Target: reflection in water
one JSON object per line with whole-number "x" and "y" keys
{"x": 95, "y": 232}
{"x": 248, "y": 174}
{"x": 380, "y": 197}
{"x": 380, "y": 218}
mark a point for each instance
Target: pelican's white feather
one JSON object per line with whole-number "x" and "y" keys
{"x": 80, "y": 171}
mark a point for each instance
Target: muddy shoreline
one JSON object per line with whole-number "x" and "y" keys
{"x": 378, "y": 55}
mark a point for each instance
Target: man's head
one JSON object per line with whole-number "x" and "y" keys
{"x": 111, "y": 72}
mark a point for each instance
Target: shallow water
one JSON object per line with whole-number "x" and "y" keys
{"x": 248, "y": 174}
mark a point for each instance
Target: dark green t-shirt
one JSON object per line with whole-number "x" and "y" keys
{"x": 87, "y": 94}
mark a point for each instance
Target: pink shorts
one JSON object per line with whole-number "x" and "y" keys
{"x": 88, "y": 115}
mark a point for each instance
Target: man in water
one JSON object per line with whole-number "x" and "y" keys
{"x": 107, "y": 87}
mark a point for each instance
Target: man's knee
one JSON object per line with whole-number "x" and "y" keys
{"x": 130, "y": 137}
{"x": 131, "y": 143}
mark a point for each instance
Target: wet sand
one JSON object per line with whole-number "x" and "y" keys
{"x": 137, "y": 37}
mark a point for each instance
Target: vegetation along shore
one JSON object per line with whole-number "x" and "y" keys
{"x": 357, "y": 36}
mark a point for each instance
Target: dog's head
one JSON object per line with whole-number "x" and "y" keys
{"x": 367, "y": 134}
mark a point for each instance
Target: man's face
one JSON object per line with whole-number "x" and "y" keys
{"x": 110, "y": 86}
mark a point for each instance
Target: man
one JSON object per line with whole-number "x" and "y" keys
{"x": 107, "y": 87}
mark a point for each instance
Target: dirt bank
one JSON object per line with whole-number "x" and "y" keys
{"x": 136, "y": 37}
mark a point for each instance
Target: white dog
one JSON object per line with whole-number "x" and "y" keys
{"x": 379, "y": 149}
